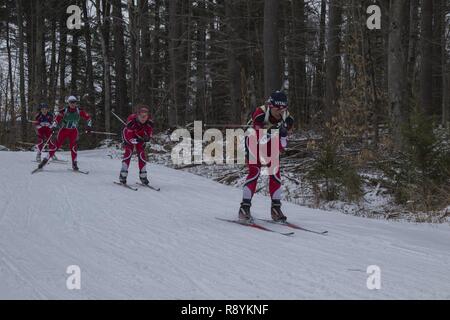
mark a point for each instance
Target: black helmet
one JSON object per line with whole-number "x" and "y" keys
{"x": 43, "y": 106}
{"x": 278, "y": 99}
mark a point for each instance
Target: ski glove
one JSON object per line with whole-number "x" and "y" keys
{"x": 283, "y": 131}
{"x": 144, "y": 139}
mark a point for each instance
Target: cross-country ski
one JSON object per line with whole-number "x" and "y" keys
{"x": 293, "y": 226}
{"x": 148, "y": 186}
{"x": 255, "y": 226}
{"x": 79, "y": 171}
{"x": 125, "y": 186}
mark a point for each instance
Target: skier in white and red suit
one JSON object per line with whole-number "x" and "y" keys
{"x": 66, "y": 125}
{"x": 273, "y": 115}
{"x": 42, "y": 123}
{"x": 137, "y": 132}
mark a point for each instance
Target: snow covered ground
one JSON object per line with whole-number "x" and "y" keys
{"x": 168, "y": 244}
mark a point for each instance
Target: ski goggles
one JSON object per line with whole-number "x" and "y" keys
{"x": 279, "y": 107}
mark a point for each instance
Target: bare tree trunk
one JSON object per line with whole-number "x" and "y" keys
{"x": 39, "y": 70}
{"x": 397, "y": 68}
{"x": 426, "y": 70}
{"x": 30, "y": 50}
{"x": 74, "y": 62}
{"x": 53, "y": 69}
{"x": 89, "y": 67}
{"x": 187, "y": 111}
{"x": 132, "y": 27}
{"x": 145, "y": 89}
{"x": 173, "y": 40}
{"x": 2, "y": 114}
{"x": 446, "y": 98}
{"x": 412, "y": 51}
{"x": 386, "y": 22}
{"x": 318, "y": 83}
{"x": 234, "y": 70}
{"x": 272, "y": 68}
{"x": 201, "y": 97}
{"x": 62, "y": 58}
{"x": 103, "y": 24}
{"x": 23, "y": 106}
{"x": 445, "y": 77}
{"x": 297, "y": 62}
{"x": 333, "y": 59}
{"x": 157, "y": 64}
{"x": 439, "y": 29}
{"x": 119, "y": 60}
{"x": 11, "y": 86}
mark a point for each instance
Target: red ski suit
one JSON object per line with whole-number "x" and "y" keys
{"x": 133, "y": 135}
{"x": 42, "y": 124}
{"x": 262, "y": 119}
{"x": 68, "y": 119}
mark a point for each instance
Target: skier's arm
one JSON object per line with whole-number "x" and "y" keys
{"x": 58, "y": 120}
{"x": 148, "y": 132}
{"x": 258, "y": 119}
{"x": 289, "y": 122}
{"x": 130, "y": 122}
{"x": 129, "y": 132}
{"x": 286, "y": 126}
{"x": 87, "y": 117}
{"x": 37, "y": 122}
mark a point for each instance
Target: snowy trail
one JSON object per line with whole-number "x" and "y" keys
{"x": 168, "y": 244}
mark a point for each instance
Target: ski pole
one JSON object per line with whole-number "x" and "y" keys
{"x": 26, "y": 143}
{"x": 45, "y": 145}
{"x": 112, "y": 111}
{"x": 230, "y": 126}
{"x": 104, "y": 133}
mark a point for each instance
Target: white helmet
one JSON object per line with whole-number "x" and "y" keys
{"x": 72, "y": 99}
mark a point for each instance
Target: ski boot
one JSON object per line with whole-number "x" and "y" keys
{"x": 277, "y": 214}
{"x": 54, "y": 158}
{"x": 43, "y": 163}
{"x": 38, "y": 157}
{"x": 75, "y": 166}
{"x": 143, "y": 177}
{"x": 123, "y": 177}
{"x": 244, "y": 212}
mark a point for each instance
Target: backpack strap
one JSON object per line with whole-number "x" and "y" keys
{"x": 267, "y": 113}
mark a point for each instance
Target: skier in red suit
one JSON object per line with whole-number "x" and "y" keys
{"x": 66, "y": 125}
{"x": 137, "y": 132}
{"x": 272, "y": 115}
{"x": 42, "y": 123}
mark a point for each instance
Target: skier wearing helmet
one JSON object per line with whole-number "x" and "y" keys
{"x": 42, "y": 123}
{"x": 66, "y": 125}
{"x": 137, "y": 132}
{"x": 273, "y": 115}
